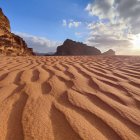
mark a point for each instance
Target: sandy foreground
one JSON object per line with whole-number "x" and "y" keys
{"x": 70, "y": 98}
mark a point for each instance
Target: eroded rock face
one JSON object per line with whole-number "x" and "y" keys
{"x": 11, "y": 44}
{"x": 70, "y": 47}
{"x": 109, "y": 52}
{"x": 4, "y": 24}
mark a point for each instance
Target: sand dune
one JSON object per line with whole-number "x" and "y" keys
{"x": 70, "y": 98}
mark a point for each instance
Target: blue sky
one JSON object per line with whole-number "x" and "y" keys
{"x": 44, "y": 17}
{"x": 105, "y": 24}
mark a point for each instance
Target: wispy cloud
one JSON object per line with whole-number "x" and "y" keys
{"x": 39, "y": 44}
{"x": 64, "y": 22}
{"x": 71, "y": 23}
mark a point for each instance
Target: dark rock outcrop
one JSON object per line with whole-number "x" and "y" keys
{"x": 11, "y": 44}
{"x": 70, "y": 47}
{"x": 109, "y": 52}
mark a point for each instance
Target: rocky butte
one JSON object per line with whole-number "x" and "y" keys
{"x": 71, "y": 47}
{"x": 11, "y": 44}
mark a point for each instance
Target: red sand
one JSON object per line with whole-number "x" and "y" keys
{"x": 70, "y": 98}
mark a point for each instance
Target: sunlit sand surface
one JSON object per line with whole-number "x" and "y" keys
{"x": 70, "y": 98}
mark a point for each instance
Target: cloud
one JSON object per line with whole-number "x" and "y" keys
{"x": 74, "y": 24}
{"x": 117, "y": 30}
{"x": 64, "y": 22}
{"x": 71, "y": 23}
{"x": 129, "y": 11}
{"x": 101, "y": 8}
{"x": 118, "y": 21}
{"x": 39, "y": 44}
{"x": 107, "y": 42}
{"x": 117, "y": 10}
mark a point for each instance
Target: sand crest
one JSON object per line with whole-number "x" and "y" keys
{"x": 70, "y": 98}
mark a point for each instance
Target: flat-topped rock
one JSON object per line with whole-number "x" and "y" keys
{"x": 71, "y": 47}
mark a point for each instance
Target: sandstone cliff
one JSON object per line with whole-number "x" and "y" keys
{"x": 70, "y": 47}
{"x": 11, "y": 44}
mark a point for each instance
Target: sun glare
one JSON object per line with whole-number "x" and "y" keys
{"x": 136, "y": 43}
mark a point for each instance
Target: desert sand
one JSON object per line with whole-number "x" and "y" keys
{"x": 70, "y": 98}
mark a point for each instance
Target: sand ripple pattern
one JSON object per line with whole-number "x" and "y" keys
{"x": 70, "y": 98}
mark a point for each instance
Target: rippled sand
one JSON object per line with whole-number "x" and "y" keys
{"x": 70, "y": 98}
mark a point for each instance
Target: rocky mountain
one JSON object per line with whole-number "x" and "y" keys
{"x": 11, "y": 44}
{"x": 71, "y": 47}
{"x": 109, "y": 52}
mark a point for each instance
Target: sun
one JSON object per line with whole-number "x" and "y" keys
{"x": 136, "y": 43}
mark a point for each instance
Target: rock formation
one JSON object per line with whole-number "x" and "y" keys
{"x": 109, "y": 52}
{"x": 70, "y": 47}
{"x": 11, "y": 44}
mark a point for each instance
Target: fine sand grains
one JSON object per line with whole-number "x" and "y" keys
{"x": 70, "y": 98}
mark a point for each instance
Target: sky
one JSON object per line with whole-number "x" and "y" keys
{"x": 105, "y": 24}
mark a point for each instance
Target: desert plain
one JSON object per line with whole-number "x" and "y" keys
{"x": 70, "y": 98}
